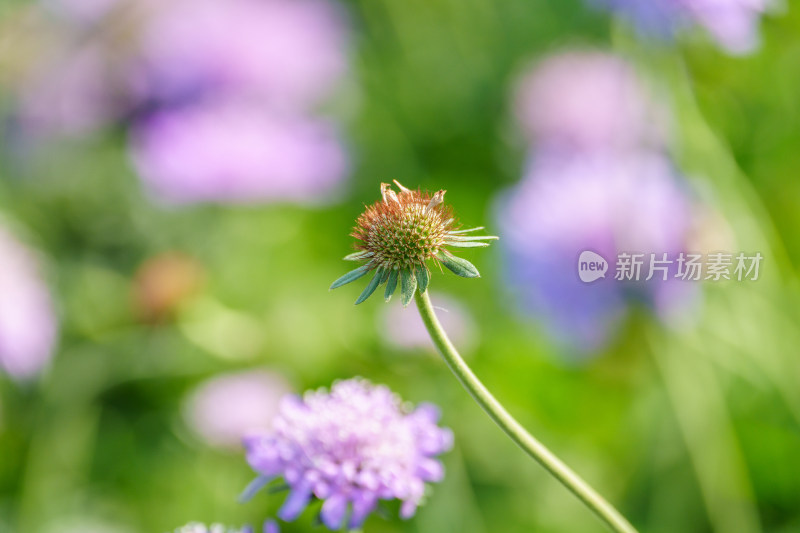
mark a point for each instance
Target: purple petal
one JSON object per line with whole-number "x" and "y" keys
{"x": 333, "y": 511}
{"x": 271, "y": 526}
{"x": 295, "y": 504}
{"x": 363, "y": 505}
{"x": 408, "y": 509}
{"x": 256, "y": 485}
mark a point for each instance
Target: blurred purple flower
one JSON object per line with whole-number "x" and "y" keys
{"x": 221, "y": 97}
{"x": 351, "y": 447}
{"x": 404, "y": 328}
{"x": 587, "y": 101}
{"x": 68, "y": 93}
{"x": 28, "y": 324}
{"x": 84, "y": 11}
{"x": 732, "y": 23}
{"x": 225, "y": 408}
{"x": 240, "y": 153}
{"x": 604, "y": 202}
{"x": 286, "y": 53}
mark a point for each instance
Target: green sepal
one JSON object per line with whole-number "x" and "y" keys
{"x": 391, "y": 284}
{"x": 458, "y": 266}
{"x": 423, "y": 276}
{"x": 462, "y": 244}
{"x": 467, "y": 238}
{"x": 466, "y": 230}
{"x": 357, "y": 256}
{"x": 407, "y": 286}
{"x": 373, "y": 284}
{"x": 350, "y": 276}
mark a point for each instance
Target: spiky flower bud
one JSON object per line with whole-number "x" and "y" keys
{"x": 399, "y": 234}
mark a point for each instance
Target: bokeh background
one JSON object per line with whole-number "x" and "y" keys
{"x": 177, "y": 185}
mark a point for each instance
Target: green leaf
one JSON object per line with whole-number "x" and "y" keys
{"x": 458, "y": 266}
{"x": 422, "y": 278}
{"x": 391, "y": 284}
{"x": 350, "y": 276}
{"x": 462, "y": 244}
{"x": 373, "y": 284}
{"x": 407, "y": 286}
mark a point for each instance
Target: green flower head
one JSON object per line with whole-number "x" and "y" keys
{"x": 399, "y": 234}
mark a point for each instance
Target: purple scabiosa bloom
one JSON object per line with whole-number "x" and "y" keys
{"x": 350, "y": 448}
{"x": 404, "y": 328}
{"x": 589, "y": 101}
{"x": 225, "y": 408}
{"x": 238, "y": 153}
{"x": 606, "y": 203}
{"x": 288, "y": 53}
{"x": 28, "y": 325}
{"x": 732, "y": 23}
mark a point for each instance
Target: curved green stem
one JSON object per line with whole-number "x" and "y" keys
{"x": 604, "y": 510}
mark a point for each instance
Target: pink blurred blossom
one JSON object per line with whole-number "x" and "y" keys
{"x": 587, "y": 101}
{"x": 28, "y": 324}
{"x": 288, "y": 53}
{"x": 225, "y": 408}
{"x": 233, "y": 152}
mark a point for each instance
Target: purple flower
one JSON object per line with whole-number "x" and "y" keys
{"x": 226, "y": 408}
{"x": 604, "y": 202}
{"x": 587, "y": 101}
{"x": 350, "y": 448}
{"x": 239, "y": 153}
{"x": 732, "y": 23}
{"x": 287, "y": 53}
{"x": 221, "y": 98}
{"x": 28, "y": 324}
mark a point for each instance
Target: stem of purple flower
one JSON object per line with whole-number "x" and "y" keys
{"x": 604, "y": 510}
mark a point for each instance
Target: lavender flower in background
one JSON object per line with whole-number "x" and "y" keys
{"x": 588, "y": 101}
{"x": 404, "y": 328}
{"x": 223, "y": 409}
{"x": 350, "y": 448}
{"x": 233, "y": 112}
{"x": 732, "y": 23}
{"x": 235, "y": 152}
{"x": 597, "y": 180}
{"x": 28, "y": 324}
{"x": 221, "y": 98}
{"x": 603, "y": 203}
{"x": 288, "y": 54}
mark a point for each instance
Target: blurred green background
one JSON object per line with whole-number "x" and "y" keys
{"x": 686, "y": 430}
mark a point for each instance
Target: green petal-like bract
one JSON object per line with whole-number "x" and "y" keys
{"x": 407, "y": 286}
{"x": 422, "y": 278}
{"x": 350, "y": 276}
{"x": 460, "y": 267}
{"x": 373, "y": 284}
{"x": 391, "y": 284}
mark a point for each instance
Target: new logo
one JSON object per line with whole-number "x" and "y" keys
{"x": 591, "y": 266}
